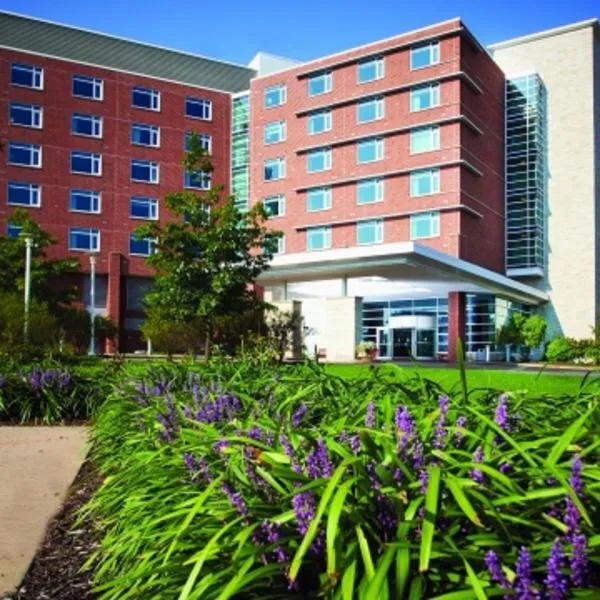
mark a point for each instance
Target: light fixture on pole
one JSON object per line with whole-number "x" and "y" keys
{"x": 27, "y": 291}
{"x": 92, "y": 350}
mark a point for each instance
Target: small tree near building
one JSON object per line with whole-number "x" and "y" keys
{"x": 205, "y": 260}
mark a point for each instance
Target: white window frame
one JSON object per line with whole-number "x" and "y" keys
{"x": 95, "y": 159}
{"x": 434, "y": 179}
{"x": 36, "y": 113}
{"x": 204, "y": 138}
{"x": 150, "y": 241}
{"x": 379, "y": 109}
{"x": 280, "y": 245}
{"x": 154, "y": 131}
{"x": 434, "y": 96}
{"x": 326, "y": 191}
{"x": 92, "y": 232}
{"x": 281, "y": 168}
{"x": 35, "y": 152}
{"x": 36, "y": 72}
{"x": 327, "y": 159}
{"x": 326, "y": 231}
{"x": 379, "y": 150}
{"x": 280, "y": 199}
{"x": 281, "y": 129}
{"x": 327, "y": 120}
{"x": 434, "y": 54}
{"x": 152, "y": 204}
{"x": 35, "y": 193}
{"x": 379, "y": 190}
{"x": 378, "y": 224}
{"x": 97, "y": 124}
{"x": 379, "y": 69}
{"x": 433, "y": 132}
{"x": 327, "y": 78}
{"x": 206, "y": 180}
{"x": 153, "y": 94}
{"x": 153, "y": 169}
{"x": 207, "y": 104}
{"x": 279, "y": 87}
{"x": 434, "y": 220}
{"x": 94, "y": 197}
{"x": 97, "y": 87}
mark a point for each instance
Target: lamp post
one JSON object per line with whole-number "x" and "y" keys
{"x": 27, "y": 292}
{"x": 92, "y": 350}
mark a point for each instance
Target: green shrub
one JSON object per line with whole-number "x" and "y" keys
{"x": 560, "y": 349}
{"x": 239, "y": 480}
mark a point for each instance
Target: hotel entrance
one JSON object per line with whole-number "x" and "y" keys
{"x": 407, "y": 336}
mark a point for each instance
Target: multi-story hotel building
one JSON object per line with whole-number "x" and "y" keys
{"x": 426, "y": 187}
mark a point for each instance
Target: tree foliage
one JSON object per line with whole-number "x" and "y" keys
{"x": 522, "y": 330}
{"x": 205, "y": 259}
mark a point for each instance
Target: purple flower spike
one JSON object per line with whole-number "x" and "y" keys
{"x": 501, "y": 416}
{"x": 458, "y": 436}
{"x": 304, "y": 508}
{"x": 285, "y": 444}
{"x": 523, "y": 590}
{"x": 355, "y": 445}
{"x": 572, "y": 516}
{"x": 440, "y": 429}
{"x": 404, "y": 425}
{"x": 579, "y": 561}
{"x": 424, "y": 479}
{"x": 575, "y": 478}
{"x": 476, "y": 474}
{"x": 297, "y": 416}
{"x": 370, "y": 416}
{"x": 495, "y": 568}
{"x": 235, "y": 498}
{"x": 556, "y": 585}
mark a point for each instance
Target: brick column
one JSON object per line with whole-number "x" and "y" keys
{"x": 456, "y": 323}
{"x": 113, "y": 301}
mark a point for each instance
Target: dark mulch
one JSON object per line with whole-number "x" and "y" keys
{"x": 55, "y": 572}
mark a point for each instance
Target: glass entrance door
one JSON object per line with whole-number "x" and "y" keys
{"x": 384, "y": 347}
{"x": 425, "y": 342}
{"x": 402, "y": 343}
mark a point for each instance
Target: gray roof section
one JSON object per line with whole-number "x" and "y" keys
{"x": 81, "y": 45}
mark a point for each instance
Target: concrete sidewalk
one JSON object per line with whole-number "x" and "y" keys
{"x": 37, "y": 466}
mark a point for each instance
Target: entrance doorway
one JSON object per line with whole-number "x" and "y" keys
{"x": 397, "y": 343}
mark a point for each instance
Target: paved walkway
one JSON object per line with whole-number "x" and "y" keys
{"x": 37, "y": 466}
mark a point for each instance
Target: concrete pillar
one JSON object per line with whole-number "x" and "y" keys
{"x": 345, "y": 285}
{"x": 456, "y": 323}
{"x": 113, "y": 301}
{"x": 341, "y": 328}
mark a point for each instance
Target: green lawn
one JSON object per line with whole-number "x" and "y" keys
{"x": 535, "y": 384}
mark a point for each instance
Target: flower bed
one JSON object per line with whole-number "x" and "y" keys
{"x": 239, "y": 480}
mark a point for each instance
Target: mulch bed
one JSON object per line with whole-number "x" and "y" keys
{"x": 55, "y": 572}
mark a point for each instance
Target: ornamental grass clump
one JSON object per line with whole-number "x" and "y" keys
{"x": 243, "y": 480}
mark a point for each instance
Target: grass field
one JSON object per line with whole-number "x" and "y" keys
{"x": 535, "y": 384}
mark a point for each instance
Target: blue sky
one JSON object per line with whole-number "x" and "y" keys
{"x": 301, "y": 29}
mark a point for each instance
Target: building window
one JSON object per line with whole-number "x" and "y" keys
{"x": 318, "y": 199}
{"x": 424, "y": 139}
{"x": 13, "y": 231}
{"x": 370, "y": 70}
{"x": 204, "y": 139}
{"x": 369, "y": 110}
{"x": 319, "y": 122}
{"x": 425, "y": 225}
{"x": 146, "y": 98}
{"x": 280, "y": 245}
{"x": 425, "y": 182}
{"x": 424, "y": 55}
{"x": 198, "y": 180}
{"x": 86, "y": 240}
{"x": 87, "y": 87}
{"x": 318, "y": 160}
{"x": 24, "y": 155}
{"x": 274, "y": 168}
{"x": 87, "y": 125}
{"x": 369, "y": 232}
{"x": 27, "y": 76}
{"x": 86, "y": 163}
{"x": 197, "y": 108}
{"x": 274, "y": 132}
{"x": 276, "y": 95}
{"x": 275, "y": 205}
{"x": 145, "y": 135}
{"x": 319, "y": 84}
{"x": 141, "y": 247}
{"x": 369, "y": 191}
{"x": 86, "y": 201}
{"x": 369, "y": 150}
{"x": 24, "y": 194}
{"x": 26, "y": 115}
{"x": 424, "y": 97}
{"x": 318, "y": 238}
{"x": 141, "y": 207}
{"x": 144, "y": 170}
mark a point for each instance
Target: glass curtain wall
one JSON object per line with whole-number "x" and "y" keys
{"x": 240, "y": 149}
